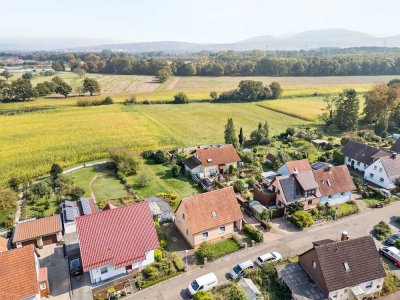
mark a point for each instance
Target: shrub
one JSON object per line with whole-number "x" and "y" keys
{"x": 302, "y": 219}
{"x": 179, "y": 265}
{"x": 108, "y": 100}
{"x": 158, "y": 255}
{"x": 181, "y": 98}
{"x": 175, "y": 170}
{"x": 202, "y": 295}
{"x": 144, "y": 179}
{"x": 382, "y": 230}
{"x": 254, "y": 233}
{"x": 163, "y": 244}
{"x": 205, "y": 250}
{"x": 231, "y": 169}
{"x": 131, "y": 100}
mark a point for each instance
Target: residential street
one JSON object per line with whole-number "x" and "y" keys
{"x": 289, "y": 245}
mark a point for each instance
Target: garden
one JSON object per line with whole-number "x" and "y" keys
{"x": 215, "y": 250}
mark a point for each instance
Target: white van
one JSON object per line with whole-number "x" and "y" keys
{"x": 203, "y": 283}
{"x": 239, "y": 269}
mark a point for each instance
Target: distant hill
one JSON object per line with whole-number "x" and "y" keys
{"x": 333, "y": 38}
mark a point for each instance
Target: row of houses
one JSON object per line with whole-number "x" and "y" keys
{"x": 378, "y": 166}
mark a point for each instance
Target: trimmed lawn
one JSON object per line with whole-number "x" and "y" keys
{"x": 162, "y": 182}
{"x": 225, "y": 247}
{"x": 346, "y": 209}
{"x": 371, "y": 201}
{"x": 106, "y": 186}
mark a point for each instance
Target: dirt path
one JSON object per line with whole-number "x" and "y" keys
{"x": 20, "y": 202}
{"x": 97, "y": 176}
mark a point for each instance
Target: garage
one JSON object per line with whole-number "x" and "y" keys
{"x": 27, "y": 243}
{"x": 50, "y": 239}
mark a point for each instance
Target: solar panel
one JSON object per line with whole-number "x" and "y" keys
{"x": 70, "y": 213}
{"x": 86, "y": 206}
{"x": 69, "y": 203}
{"x": 289, "y": 189}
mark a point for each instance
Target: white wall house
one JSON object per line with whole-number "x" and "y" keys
{"x": 108, "y": 271}
{"x": 359, "y": 291}
{"x": 377, "y": 173}
{"x": 337, "y": 198}
{"x": 356, "y": 165}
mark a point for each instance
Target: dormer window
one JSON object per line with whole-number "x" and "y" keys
{"x": 314, "y": 264}
{"x": 214, "y": 214}
{"x": 346, "y": 266}
{"x": 328, "y": 182}
{"x": 209, "y": 160}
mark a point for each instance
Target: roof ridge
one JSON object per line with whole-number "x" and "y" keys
{"x": 340, "y": 241}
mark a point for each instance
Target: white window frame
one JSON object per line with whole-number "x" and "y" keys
{"x": 204, "y": 235}
{"x": 43, "y": 286}
{"x": 222, "y": 229}
{"x": 102, "y": 270}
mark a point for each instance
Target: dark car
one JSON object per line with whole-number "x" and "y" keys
{"x": 390, "y": 240}
{"x": 75, "y": 267}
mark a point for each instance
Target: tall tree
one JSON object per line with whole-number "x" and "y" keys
{"x": 347, "y": 110}
{"x": 230, "y": 133}
{"x": 276, "y": 90}
{"x": 63, "y": 89}
{"x": 91, "y": 86}
{"x": 241, "y": 137}
{"x": 21, "y": 90}
{"x": 380, "y": 102}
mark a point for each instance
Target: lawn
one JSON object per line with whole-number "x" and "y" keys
{"x": 73, "y": 135}
{"x": 105, "y": 184}
{"x": 346, "y": 209}
{"x": 219, "y": 249}
{"x": 162, "y": 182}
{"x": 371, "y": 201}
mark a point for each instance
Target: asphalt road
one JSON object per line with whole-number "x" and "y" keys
{"x": 289, "y": 245}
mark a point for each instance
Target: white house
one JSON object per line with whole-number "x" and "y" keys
{"x": 384, "y": 171}
{"x": 116, "y": 240}
{"x": 335, "y": 184}
{"x": 359, "y": 156}
{"x": 209, "y": 161}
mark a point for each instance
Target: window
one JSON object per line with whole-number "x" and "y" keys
{"x": 314, "y": 264}
{"x": 309, "y": 201}
{"x": 214, "y": 214}
{"x": 330, "y": 196}
{"x": 369, "y": 285}
{"x": 380, "y": 170}
{"x": 346, "y": 266}
{"x": 222, "y": 229}
{"x": 371, "y": 175}
{"x": 342, "y": 193}
{"x": 328, "y": 182}
{"x": 375, "y": 167}
{"x": 103, "y": 270}
{"x": 358, "y": 163}
{"x": 381, "y": 180}
{"x": 205, "y": 235}
{"x": 183, "y": 216}
{"x": 187, "y": 232}
{"x": 43, "y": 286}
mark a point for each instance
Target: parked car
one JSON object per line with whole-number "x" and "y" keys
{"x": 269, "y": 257}
{"x": 392, "y": 253}
{"x": 385, "y": 193}
{"x": 377, "y": 205}
{"x": 75, "y": 267}
{"x": 390, "y": 240}
{"x": 239, "y": 269}
{"x": 203, "y": 283}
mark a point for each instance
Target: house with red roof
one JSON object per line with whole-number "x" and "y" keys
{"x": 116, "y": 240}
{"x": 211, "y": 160}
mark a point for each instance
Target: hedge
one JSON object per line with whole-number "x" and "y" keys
{"x": 254, "y": 233}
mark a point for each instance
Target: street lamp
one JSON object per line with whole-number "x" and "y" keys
{"x": 186, "y": 266}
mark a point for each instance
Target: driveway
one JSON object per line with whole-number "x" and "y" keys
{"x": 52, "y": 257}
{"x": 293, "y": 243}
{"x": 81, "y": 287}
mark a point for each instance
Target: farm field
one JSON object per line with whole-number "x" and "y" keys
{"x": 71, "y": 135}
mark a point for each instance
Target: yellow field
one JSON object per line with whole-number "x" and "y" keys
{"x": 31, "y": 142}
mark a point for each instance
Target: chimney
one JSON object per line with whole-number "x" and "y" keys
{"x": 394, "y": 155}
{"x": 328, "y": 168}
{"x": 295, "y": 172}
{"x": 345, "y": 236}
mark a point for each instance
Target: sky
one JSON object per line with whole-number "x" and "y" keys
{"x": 214, "y": 21}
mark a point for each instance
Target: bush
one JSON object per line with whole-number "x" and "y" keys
{"x": 181, "y": 98}
{"x": 302, "y": 219}
{"x": 254, "y": 233}
{"x": 205, "y": 250}
{"x": 231, "y": 169}
{"x": 108, "y": 100}
{"x": 175, "y": 170}
{"x": 144, "y": 178}
{"x": 131, "y": 100}
{"x": 158, "y": 255}
{"x": 179, "y": 265}
{"x": 202, "y": 295}
{"x": 382, "y": 231}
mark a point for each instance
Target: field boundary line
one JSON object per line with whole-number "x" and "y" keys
{"x": 286, "y": 113}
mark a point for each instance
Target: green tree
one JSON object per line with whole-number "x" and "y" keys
{"x": 175, "y": 170}
{"x": 230, "y": 133}
{"x": 27, "y": 76}
{"x": 260, "y": 136}
{"x": 329, "y": 110}
{"x": 295, "y": 206}
{"x": 42, "y": 89}
{"x": 276, "y": 90}
{"x": 126, "y": 161}
{"x": 214, "y": 95}
{"x": 91, "y": 86}
{"x": 347, "y": 110}
{"x": 250, "y": 90}
{"x": 58, "y": 66}
{"x": 55, "y": 170}
{"x": 181, "y": 98}
{"x": 22, "y": 90}
{"x": 144, "y": 179}
{"x": 380, "y": 102}
{"x": 76, "y": 193}
{"x": 163, "y": 74}
{"x": 241, "y": 137}
{"x": 302, "y": 219}
{"x": 236, "y": 293}
{"x": 63, "y": 89}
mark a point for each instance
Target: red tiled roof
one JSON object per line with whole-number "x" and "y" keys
{"x": 301, "y": 165}
{"x": 199, "y": 208}
{"x": 217, "y": 155}
{"x": 339, "y": 178}
{"x": 18, "y": 277}
{"x": 3, "y": 244}
{"x": 29, "y": 230}
{"x": 120, "y": 236}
